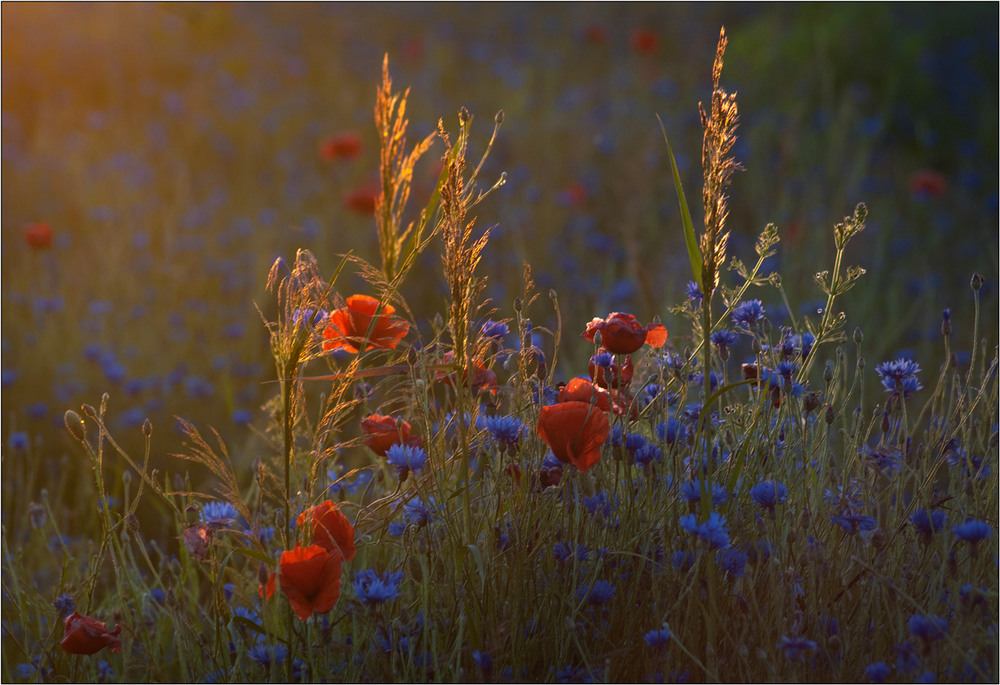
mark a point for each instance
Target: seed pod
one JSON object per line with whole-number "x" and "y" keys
{"x": 75, "y": 425}
{"x": 977, "y": 282}
{"x": 147, "y": 427}
{"x": 828, "y": 372}
{"x": 858, "y": 336}
{"x": 830, "y": 415}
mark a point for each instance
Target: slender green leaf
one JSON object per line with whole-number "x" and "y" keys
{"x": 694, "y": 254}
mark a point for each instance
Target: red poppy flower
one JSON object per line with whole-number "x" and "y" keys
{"x": 86, "y": 635}
{"x": 582, "y": 390}
{"x": 622, "y": 334}
{"x": 644, "y": 41}
{"x": 382, "y": 432}
{"x": 595, "y": 33}
{"x": 928, "y": 183}
{"x": 617, "y": 375}
{"x": 331, "y": 529}
{"x": 341, "y": 146}
{"x": 483, "y": 379}
{"x": 310, "y": 578}
{"x": 196, "y": 539}
{"x": 575, "y": 431}
{"x": 38, "y": 236}
{"x": 266, "y": 590}
{"x": 348, "y": 327}
{"x": 361, "y": 200}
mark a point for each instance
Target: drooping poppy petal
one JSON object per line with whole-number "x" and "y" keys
{"x": 622, "y": 334}
{"x": 86, "y": 635}
{"x": 575, "y": 432}
{"x": 382, "y": 432}
{"x": 331, "y": 529}
{"x": 347, "y": 328}
{"x": 310, "y": 578}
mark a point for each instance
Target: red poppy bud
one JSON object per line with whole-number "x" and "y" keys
{"x": 196, "y": 539}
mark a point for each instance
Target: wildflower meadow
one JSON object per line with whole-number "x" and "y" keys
{"x": 598, "y": 342}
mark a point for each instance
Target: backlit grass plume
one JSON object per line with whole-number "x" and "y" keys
{"x": 396, "y": 173}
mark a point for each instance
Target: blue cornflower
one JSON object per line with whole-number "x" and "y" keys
{"x": 495, "y": 329}
{"x": 852, "y": 522}
{"x": 397, "y": 528}
{"x": 417, "y": 512}
{"x": 805, "y": 342}
{"x": 670, "y": 432}
{"x": 690, "y": 492}
{"x": 907, "y": 658}
{"x": 352, "y": 486}
{"x": 485, "y": 664}
{"x": 601, "y": 592}
{"x": 105, "y": 673}
{"x": 769, "y": 493}
{"x": 505, "y": 430}
{"x": 572, "y": 674}
{"x": 682, "y": 560}
{"x": 562, "y": 552}
{"x": 218, "y": 513}
{"x": 550, "y": 461}
{"x": 603, "y": 360}
{"x": 18, "y": 442}
{"x": 158, "y": 595}
{"x": 25, "y": 670}
{"x": 646, "y": 454}
{"x": 972, "y": 531}
{"x": 657, "y": 639}
{"x": 885, "y": 459}
{"x": 693, "y": 292}
{"x": 374, "y": 589}
{"x": 928, "y": 522}
{"x": 246, "y": 613}
{"x": 723, "y": 338}
{"x": 600, "y": 502}
{"x": 786, "y": 369}
{"x": 713, "y": 530}
{"x": 634, "y": 442}
{"x": 406, "y": 458}
{"x": 796, "y": 648}
{"x": 242, "y": 417}
{"x": 268, "y": 655}
{"x": 733, "y": 562}
{"x": 747, "y": 314}
{"x": 899, "y": 376}
{"x": 928, "y": 627}
{"x": 877, "y": 672}
{"x": 64, "y": 604}
{"x": 926, "y": 677}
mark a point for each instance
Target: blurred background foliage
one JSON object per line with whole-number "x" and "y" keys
{"x": 175, "y": 150}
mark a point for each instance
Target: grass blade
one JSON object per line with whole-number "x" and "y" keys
{"x": 694, "y": 254}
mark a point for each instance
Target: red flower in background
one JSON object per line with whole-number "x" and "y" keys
{"x": 595, "y": 33}
{"x": 928, "y": 183}
{"x": 382, "y": 432}
{"x": 310, "y": 578}
{"x": 618, "y": 375}
{"x": 644, "y": 41}
{"x": 361, "y": 200}
{"x": 575, "y": 431}
{"x": 86, "y": 635}
{"x": 482, "y": 379}
{"x": 38, "y": 236}
{"x": 331, "y": 529}
{"x": 622, "y": 334}
{"x": 347, "y": 327}
{"x": 341, "y": 146}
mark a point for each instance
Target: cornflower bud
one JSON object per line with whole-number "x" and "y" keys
{"x": 977, "y": 282}
{"x": 858, "y": 335}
